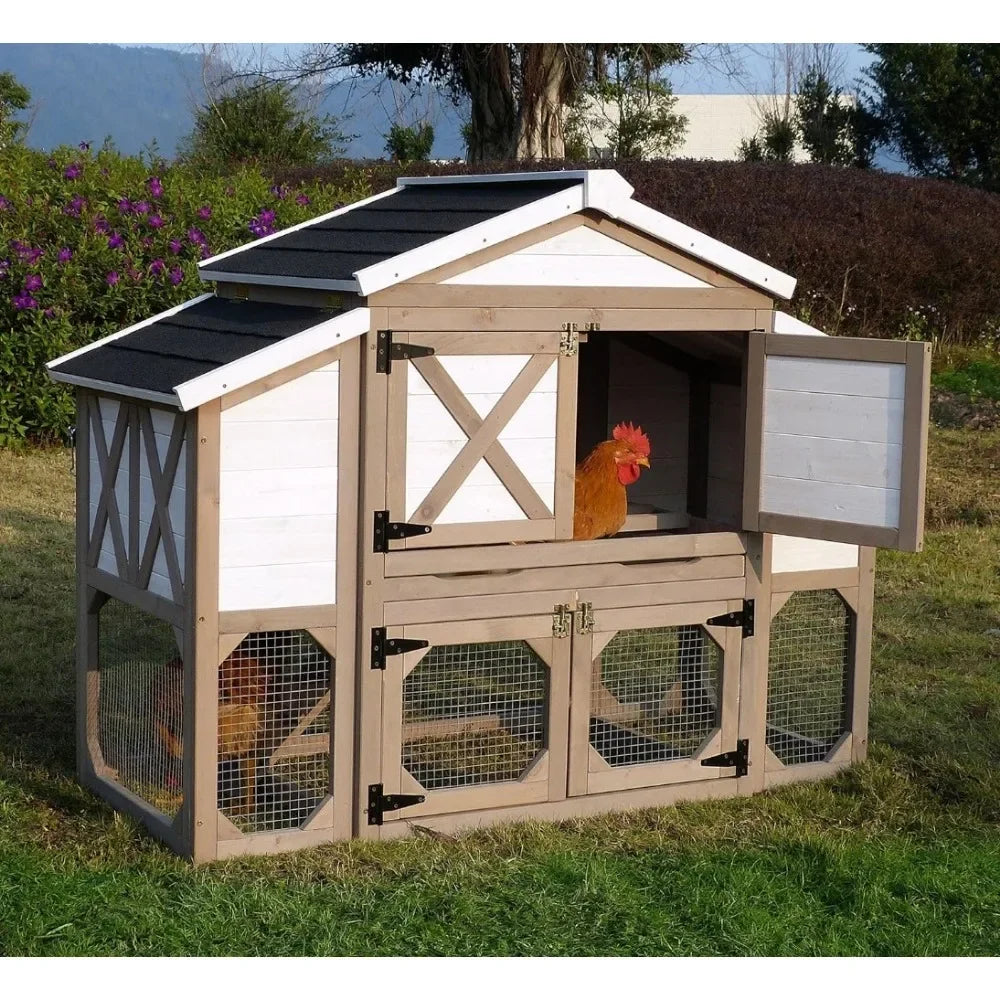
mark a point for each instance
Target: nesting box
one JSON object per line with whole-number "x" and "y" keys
{"x": 327, "y": 580}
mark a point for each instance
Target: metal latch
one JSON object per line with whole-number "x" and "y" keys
{"x": 738, "y": 758}
{"x": 386, "y": 351}
{"x": 383, "y": 647}
{"x": 569, "y": 342}
{"x": 379, "y": 803}
{"x": 386, "y": 531}
{"x": 731, "y": 619}
{"x": 585, "y": 623}
{"x": 562, "y": 619}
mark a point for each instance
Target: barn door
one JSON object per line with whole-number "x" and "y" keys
{"x": 481, "y": 436}
{"x": 836, "y": 438}
{"x": 655, "y": 695}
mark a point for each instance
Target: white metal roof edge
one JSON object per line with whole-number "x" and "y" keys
{"x": 784, "y": 323}
{"x": 237, "y": 374}
{"x": 129, "y": 329}
{"x": 425, "y": 258}
{"x": 322, "y": 284}
{"x": 169, "y": 399}
{"x": 292, "y": 229}
{"x": 697, "y": 244}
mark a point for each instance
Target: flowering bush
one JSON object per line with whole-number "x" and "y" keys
{"x": 93, "y": 242}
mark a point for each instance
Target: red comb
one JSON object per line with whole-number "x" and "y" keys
{"x": 634, "y": 437}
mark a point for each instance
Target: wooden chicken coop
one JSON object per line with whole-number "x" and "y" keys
{"x": 327, "y": 586}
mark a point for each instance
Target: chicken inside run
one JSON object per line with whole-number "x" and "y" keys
{"x": 483, "y": 499}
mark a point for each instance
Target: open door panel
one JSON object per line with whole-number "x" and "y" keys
{"x": 836, "y": 444}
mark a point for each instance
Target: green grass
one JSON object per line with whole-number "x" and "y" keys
{"x": 899, "y": 856}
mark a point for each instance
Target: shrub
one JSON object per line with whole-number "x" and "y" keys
{"x": 92, "y": 242}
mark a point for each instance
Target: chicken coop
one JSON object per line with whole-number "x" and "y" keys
{"x": 327, "y": 580}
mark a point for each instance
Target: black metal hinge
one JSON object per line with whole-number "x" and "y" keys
{"x": 387, "y": 531}
{"x": 738, "y": 758}
{"x": 379, "y": 803}
{"x": 386, "y": 351}
{"x": 383, "y": 647}
{"x": 744, "y": 619}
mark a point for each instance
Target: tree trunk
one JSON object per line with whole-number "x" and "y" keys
{"x": 493, "y": 128}
{"x": 546, "y": 84}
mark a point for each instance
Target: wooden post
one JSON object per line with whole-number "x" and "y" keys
{"x": 860, "y": 677}
{"x": 753, "y": 662}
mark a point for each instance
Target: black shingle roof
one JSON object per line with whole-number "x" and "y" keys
{"x": 335, "y": 248}
{"x": 196, "y": 340}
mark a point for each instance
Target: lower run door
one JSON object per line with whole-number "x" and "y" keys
{"x": 655, "y": 692}
{"x": 477, "y": 718}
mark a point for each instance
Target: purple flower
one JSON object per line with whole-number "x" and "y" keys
{"x": 147, "y": 241}
{"x": 176, "y": 276}
{"x": 302, "y": 200}
{"x": 140, "y": 207}
{"x": 266, "y": 218}
{"x": 4, "y": 204}
{"x": 115, "y": 240}
{"x": 85, "y": 146}
{"x": 279, "y": 192}
{"x": 49, "y": 313}
{"x": 101, "y": 225}
{"x": 32, "y": 282}
{"x": 157, "y": 266}
{"x": 72, "y": 171}
{"x": 175, "y": 246}
{"x": 52, "y": 163}
{"x": 205, "y": 212}
{"x": 124, "y": 206}
{"x": 28, "y": 254}
{"x": 155, "y": 221}
{"x": 4, "y": 268}
{"x": 155, "y": 187}
{"x": 24, "y": 301}
{"x": 64, "y": 255}
{"x": 205, "y": 252}
{"x": 112, "y": 278}
{"x": 75, "y": 206}
{"x": 196, "y": 236}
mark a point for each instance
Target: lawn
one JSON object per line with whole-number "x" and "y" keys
{"x": 899, "y": 856}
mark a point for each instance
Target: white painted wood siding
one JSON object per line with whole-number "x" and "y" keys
{"x": 832, "y": 445}
{"x": 578, "y": 257}
{"x": 792, "y": 555}
{"x": 278, "y": 496}
{"x": 434, "y": 439}
{"x": 654, "y": 396}
{"x": 163, "y": 420}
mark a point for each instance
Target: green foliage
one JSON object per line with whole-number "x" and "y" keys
{"x": 92, "y": 242}
{"x": 406, "y": 143}
{"x": 975, "y": 379}
{"x": 824, "y": 122}
{"x": 939, "y": 105}
{"x": 774, "y": 143}
{"x": 260, "y": 122}
{"x": 13, "y": 98}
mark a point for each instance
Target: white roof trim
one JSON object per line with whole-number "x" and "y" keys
{"x": 169, "y": 399}
{"x": 783, "y": 323}
{"x": 321, "y": 284}
{"x": 121, "y": 333}
{"x": 697, "y": 244}
{"x": 205, "y": 264}
{"x": 466, "y": 241}
{"x": 237, "y": 374}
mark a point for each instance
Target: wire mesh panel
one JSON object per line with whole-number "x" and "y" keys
{"x": 474, "y": 714}
{"x": 274, "y": 730}
{"x": 654, "y": 695}
{"x": 807, "y": 676}
{"x": 140, "y": 707}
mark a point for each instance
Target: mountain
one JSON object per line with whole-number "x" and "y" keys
{"x": 137, "y": 94}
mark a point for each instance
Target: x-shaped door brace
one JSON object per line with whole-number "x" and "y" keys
{"x": 483, "y": 433}
{"x": 131, "y": 568}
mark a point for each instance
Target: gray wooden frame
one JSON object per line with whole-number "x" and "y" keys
{"x": 915, "y": 355}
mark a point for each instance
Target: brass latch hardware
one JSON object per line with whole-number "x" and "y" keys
{"x": 585, "y": 623}
{"x": 562, "y": 619}
{"x": 569, "y": 342}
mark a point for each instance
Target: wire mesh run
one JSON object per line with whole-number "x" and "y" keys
{"x": 474, "y": 714}
{"x": 140, "y": 705}
{"x": 654, "y": 695}
{"x": 808, "y": 672}
{"x": 274, "y": 730}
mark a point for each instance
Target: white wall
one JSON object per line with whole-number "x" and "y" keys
{"x": 578, "y": 257}
{"x": 278, "y": 496}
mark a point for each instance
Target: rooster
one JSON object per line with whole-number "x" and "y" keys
{"x": 600, "y": 506}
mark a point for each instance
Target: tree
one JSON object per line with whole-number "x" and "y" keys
{"x": 405, "y": 143}
{"x": 628, "y": 104}
{"x": 775, "y": 142}
{"x": 260, "y": 120}
{"x": 939, "y": 106}
{"x": 13, "y": 98}
{"x": 825, "y": 122}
